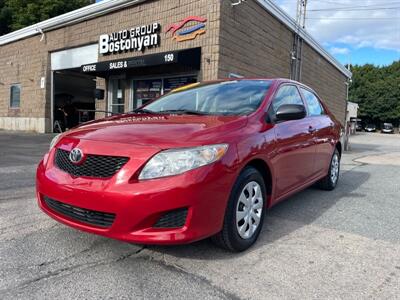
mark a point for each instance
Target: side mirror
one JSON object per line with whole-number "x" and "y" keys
{"x": 289, "y": 112}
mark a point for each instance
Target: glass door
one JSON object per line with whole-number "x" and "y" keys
{"x": 116, "y": 102}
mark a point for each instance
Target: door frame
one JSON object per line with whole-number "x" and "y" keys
{"x": 110, "y": 90}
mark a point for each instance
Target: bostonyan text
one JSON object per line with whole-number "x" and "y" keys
{"x": 134, "y": 39}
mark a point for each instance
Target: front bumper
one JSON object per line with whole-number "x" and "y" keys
{"x": 138, "y": 205}
{"x": 387, "y": 131}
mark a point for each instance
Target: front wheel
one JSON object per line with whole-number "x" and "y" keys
{"x": 244, "y": 214}
{"x": 329, "y": 182}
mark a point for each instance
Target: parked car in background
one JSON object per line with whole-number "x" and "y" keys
{"x": 370, "y": 128}
{"x": 359, "y": 126}
{"x": 387, "y": 128}
{"x": 205, "y": 160}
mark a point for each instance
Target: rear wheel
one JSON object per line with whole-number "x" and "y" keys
{"x": 329, "y": 182}
{"x": 244, "y": 214}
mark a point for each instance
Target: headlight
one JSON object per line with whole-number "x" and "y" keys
{"x": 55, "y": 140}
{"x": 177, "y": 161}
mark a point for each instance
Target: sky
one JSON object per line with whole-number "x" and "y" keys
{"x": 355, "y": 31}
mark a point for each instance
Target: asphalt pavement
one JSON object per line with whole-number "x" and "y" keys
{"x": 317, "y": 244}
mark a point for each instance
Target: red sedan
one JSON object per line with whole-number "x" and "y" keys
{"x": 206, "y": 160}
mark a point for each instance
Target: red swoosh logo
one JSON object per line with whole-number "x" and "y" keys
{"x": 175, "y": 27}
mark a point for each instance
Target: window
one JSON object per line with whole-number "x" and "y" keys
{"x": 15, "y": 95}
{"x": 146, "y": 90}
{"x": 287, "y": 94}
{"x": 237, "y": 97}
{"x": 314, "y": 107}
{"x": 117, "y": 96}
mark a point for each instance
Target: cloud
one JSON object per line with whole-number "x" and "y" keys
{"x": 338, "y": 22}
{"x": 339, "y": 50}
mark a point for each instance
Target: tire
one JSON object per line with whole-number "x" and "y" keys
{"x": 329, "y": 182}
{"x": 238, "y": 215}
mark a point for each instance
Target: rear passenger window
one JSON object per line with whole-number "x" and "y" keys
{"x": 314, "y": 106}
{"x": 288, "y": 94}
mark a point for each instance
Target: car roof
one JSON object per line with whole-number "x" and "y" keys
{"x": 278, "y": 80}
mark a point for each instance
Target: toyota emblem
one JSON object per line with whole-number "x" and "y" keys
{"x": 76, "y": 155}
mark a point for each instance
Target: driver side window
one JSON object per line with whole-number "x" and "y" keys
{"x": 287, "y": 94}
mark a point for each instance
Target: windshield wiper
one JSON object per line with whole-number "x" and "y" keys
{"x": 143, "y": 111}
{"x": 184, "y": 112}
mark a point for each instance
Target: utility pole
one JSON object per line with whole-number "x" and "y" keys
{"x": 304, "y": 13}
{"x": 301, "y": 13}
{"x": 296, "y": 54}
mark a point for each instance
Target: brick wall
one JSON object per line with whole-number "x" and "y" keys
{"x": 253, "y": 43}
{"x": 326, "y": 80}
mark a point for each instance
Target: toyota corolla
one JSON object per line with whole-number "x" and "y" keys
{"x": 206, "y": 160}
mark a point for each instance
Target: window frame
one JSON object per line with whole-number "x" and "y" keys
{"x": 270, "y": 110}
{"x": 324, "y": 112}
{"x": 11, "y": 106}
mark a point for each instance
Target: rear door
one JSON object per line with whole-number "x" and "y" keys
{"x": 294, "y": 159}
{"x": 323, "y": 131}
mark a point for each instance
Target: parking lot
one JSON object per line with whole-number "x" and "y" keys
{"x": 317, "y": 244}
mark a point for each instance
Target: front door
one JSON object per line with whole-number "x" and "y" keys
{"x": 294, "y": 159}
{"x": 323, "y": 134}
{"x": 116, "y": 103}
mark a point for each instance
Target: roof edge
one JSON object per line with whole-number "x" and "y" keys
{"x": 282, "y": 16}
{"x": 84, "y": 13}
{"x": 104, "y": 7}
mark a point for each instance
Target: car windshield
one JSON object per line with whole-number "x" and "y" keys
{"x": 237, "y": 97}
{"x": 370, "y": 126}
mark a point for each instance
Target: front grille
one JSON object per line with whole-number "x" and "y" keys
{"x": 172, "y": 219}
{"x": 92, "y": 217}
{"x": 94, "y": 165}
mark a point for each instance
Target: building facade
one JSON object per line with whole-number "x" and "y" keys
{"x": 114, "y": 56}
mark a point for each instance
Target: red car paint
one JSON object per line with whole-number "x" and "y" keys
{"x": 295, "y": 153}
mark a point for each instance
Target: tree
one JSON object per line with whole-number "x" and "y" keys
{"x": 17, "y": 14}
{"x": 377, "y": 91}
{"x": 5, "y": 18}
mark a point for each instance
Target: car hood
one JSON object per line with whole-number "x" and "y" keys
{"x": 162, "y": 131}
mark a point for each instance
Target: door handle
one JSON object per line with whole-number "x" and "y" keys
{"x": 311, "y": 129}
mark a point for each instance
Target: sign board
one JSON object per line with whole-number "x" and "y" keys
{"x": 187, "y": 57}
{"x": 74, "y": 57}
{"x": 42, "y": 82}
{"x": 134, "y": 39}
{"x": 142, "y": 61}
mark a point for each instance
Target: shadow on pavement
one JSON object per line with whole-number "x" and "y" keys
{"x": 356, "y": 148}
{"x": 285, "y": 217}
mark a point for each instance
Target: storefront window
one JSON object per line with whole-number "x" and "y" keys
{"x": 146, "y": 90}
{"x": 173, "y": 83}
{"x": 149, "y": 89}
